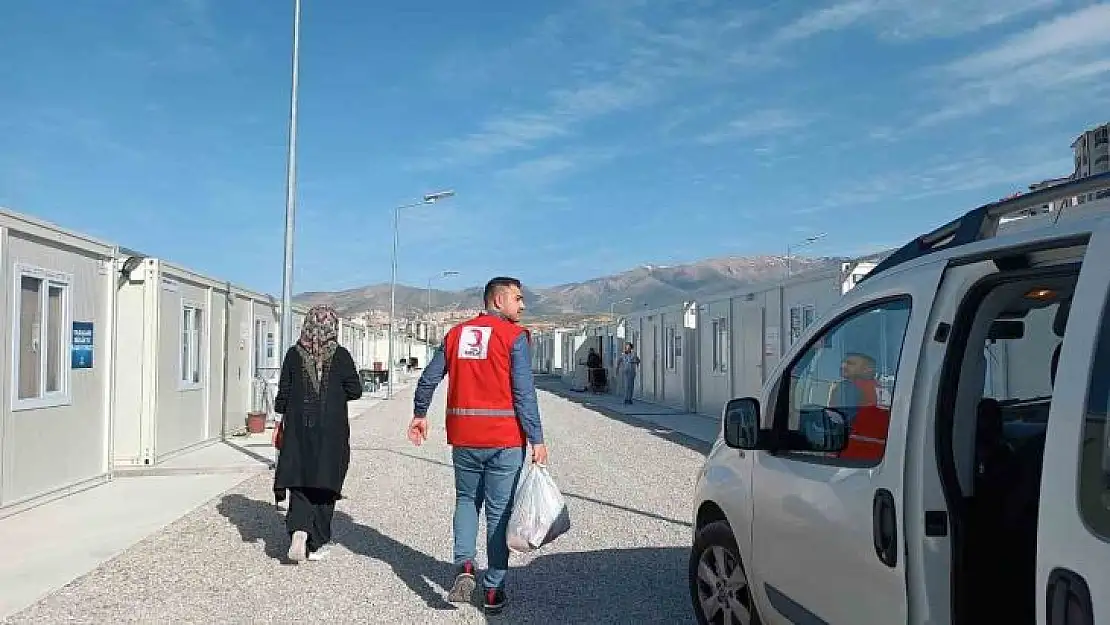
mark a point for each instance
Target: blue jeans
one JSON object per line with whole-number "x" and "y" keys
{"x": 489, "y": 477}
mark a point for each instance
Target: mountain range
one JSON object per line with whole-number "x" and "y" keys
{"x": 646, "y": 286}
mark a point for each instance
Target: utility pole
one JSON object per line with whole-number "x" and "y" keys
{"x": 291, "y": 192}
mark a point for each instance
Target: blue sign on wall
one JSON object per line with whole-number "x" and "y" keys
{"x": 82, "y": 345}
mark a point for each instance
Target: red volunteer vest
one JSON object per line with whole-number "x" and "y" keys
{"x": 867, "y": 440}
{"x": 480, "y": 409}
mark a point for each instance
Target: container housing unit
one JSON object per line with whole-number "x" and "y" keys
{"x": 56, "y": 310}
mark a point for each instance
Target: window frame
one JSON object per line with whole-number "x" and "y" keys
{"x": 780, "y": 410}
{"x": 197, "y": 357}
{"x": 672, "y": 360}
{"x": 1101, "y": 358}
{"x": 720, "y": 352}
{"x": 48, "y": 278}
{"x": 800, "y": 312}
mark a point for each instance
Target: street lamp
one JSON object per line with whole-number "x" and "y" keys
{"x": 427, "y": 321}
{"x": 802, "y": 243}
{"x": 290, "y": 192}
{"x": 785, "y": 318}
{"x": 430, "y": 198}
{"x": 442, "y": 274}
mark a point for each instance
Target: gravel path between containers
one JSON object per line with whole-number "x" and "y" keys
{"x": 624, "y": 560}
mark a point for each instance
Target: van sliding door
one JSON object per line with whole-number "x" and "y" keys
{"x": 1073, "y": 546}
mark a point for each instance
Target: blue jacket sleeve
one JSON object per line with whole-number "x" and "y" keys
{"x": 524, "y": 390}
{"x": 429, "y": 380}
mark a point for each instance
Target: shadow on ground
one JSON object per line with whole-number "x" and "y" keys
{"x": 554, "y": 385}
{"x": 645, "y": 585}
{"x": 259, "y": 521}
{"x": 567, "y": 494}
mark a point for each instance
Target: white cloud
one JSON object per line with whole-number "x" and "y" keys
{"x": 1070, "y": 51}
{"x": 504, "y": 134}
{"x": 763, "y": 122}
{"x": 536, "y": 173}
{"x": 909, "y": 19}
{"x": 604, "y": 59}
{"x": 569, "y": 107}
{"x": 1085, "y": 29}
{"x": 831, "y": 18}
{"x": 540, "y": 171}
{"x": 972, "y": 173}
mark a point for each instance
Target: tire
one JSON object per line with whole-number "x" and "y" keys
{"x": 714, "y": 561}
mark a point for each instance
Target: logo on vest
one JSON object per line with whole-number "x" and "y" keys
{"x": 474, "y": 342}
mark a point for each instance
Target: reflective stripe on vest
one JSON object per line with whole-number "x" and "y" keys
{"x": 481, "y": 412}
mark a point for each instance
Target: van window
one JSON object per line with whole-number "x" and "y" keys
{"x": 1094, "y": 450}
{"x": 852, "y": 367}
{"x": 1018, "y": 353}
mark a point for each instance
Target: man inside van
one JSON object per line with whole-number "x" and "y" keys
{"x": 856, "y": 395}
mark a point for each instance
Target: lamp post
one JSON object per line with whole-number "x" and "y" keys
{"x": 802, "y": 243}
{"x": 442, "y": 274}
{"x": 427, "y": 322}
{"x": 430, "y": 198}
{"x": 783, "y": 313}
{"x": 290, "y": 192}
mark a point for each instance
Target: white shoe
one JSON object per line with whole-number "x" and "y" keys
{"x": 319, "y": 554}
{"x": 298, "y": 549}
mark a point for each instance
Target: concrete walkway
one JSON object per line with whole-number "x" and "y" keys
{"x": 48, "y": 546}
{"x": 624, "y": 560}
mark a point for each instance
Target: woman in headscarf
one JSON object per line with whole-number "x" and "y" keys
{"x": 318, "y": 378}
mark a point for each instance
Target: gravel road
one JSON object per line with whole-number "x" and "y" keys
{"x": 624, "y": 560}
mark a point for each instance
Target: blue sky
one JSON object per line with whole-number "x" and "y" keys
{"x": 581, "y": 137}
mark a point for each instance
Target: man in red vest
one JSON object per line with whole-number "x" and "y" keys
{"x": 857, "y": 396}
{"x": 492, "y": 414}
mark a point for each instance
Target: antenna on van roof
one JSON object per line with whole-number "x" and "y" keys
{"x": 982, "y": 223}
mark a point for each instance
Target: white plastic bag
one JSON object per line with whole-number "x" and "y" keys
{"x": 539, "y": 513}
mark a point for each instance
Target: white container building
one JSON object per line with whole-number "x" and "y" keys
{"x": 666, "y": 341}
{"x": 56, "y": 309}
{"x": 698, "y": 355}
{"x": 185, "y": 360}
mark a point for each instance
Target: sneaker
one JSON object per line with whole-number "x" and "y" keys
{"x": 319, "y": 554}
{"x": 464, "y": 584}
{"x": 494, "y": 599}
{"x": 298, "y": 549}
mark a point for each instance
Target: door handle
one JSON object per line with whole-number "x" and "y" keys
{"x": 1069, "y": 599}
{"x": 884, "y": 522}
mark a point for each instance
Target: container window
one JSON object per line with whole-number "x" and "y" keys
{"x": 192, "y": 334}
{"x": 42, "y": 377}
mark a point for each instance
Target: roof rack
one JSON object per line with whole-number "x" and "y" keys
{"x": 982, "y": 223}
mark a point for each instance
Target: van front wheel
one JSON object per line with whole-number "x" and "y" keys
{"x": 718, "y": 583}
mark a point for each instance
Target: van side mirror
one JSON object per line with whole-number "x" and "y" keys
{"x": 821, "y": 429}
{"x": 741, "y": 425}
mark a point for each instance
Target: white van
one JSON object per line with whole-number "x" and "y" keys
{"x": 934, "y": 449}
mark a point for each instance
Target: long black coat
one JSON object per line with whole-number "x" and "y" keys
{"x": 316, "y": 446}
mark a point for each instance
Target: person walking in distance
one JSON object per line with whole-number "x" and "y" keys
{"x": 492, "y": 414}
{"x": 626, "y": 370}
{"x": 318, "y": 378}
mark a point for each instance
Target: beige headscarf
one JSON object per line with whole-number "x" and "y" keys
{"x": 319, "y": 338}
